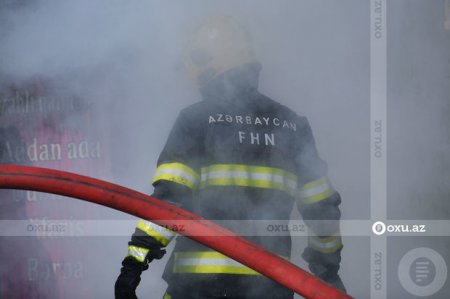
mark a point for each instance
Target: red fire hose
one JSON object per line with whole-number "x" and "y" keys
{"x": 150, "y": 208}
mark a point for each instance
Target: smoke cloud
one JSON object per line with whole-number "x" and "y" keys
{"x": 124, "y": 59}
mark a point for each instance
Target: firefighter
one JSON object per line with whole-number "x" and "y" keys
{"x": 235, "y": 155}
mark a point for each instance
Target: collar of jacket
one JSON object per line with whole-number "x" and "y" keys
{"x": 236, "y": 84}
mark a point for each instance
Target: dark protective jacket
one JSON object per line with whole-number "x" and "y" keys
{"x": 241, "y": 156}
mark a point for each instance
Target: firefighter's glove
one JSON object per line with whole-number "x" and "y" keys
{"x": 329, "y": 275}
{"x": 337, "y": 283}
{"x": 129, "y": 278}
{"x": 130, "y": 274}
{"x": 325, "y": 266}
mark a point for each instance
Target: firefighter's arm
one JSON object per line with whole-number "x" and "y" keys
{"x": 142, "y": 249}
{"x": 321, "y": 215}
{"x": 174, "y": 181}
{"x": 148, "y": 242}
{"x": 318, "y": 202}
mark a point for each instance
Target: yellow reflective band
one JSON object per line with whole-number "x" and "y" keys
{"x": 316, "y": 191}
{"x": 208, "y": 262}
{"x": 248, "y": 176}
{"x": 326, "y": 244}
{"x": 178, "y": 173}
{"x": 161, "y": 234}
{"x": 167, "y": 296}
{"x": 214, "y": 269}
{"x": 138, "y": 253}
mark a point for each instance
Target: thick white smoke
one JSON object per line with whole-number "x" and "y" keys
{"x": 125, "y": 57}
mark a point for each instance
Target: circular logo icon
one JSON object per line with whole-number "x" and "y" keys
{"x": 378, "y": 228}
{"x": 422, "y": 271}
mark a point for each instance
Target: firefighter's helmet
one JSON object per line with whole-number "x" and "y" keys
{"x": 218, "y": 45}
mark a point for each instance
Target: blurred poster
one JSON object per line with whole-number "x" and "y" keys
{"x": 25, "y": 263}
{"x": 48, "y": 127}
